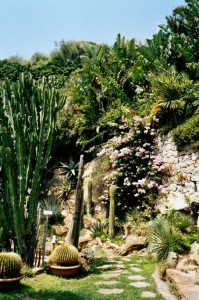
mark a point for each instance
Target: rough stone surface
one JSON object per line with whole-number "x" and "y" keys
{"x": 110, "y": 282}
{"x": 163, "y": 287}
{"x": 182, "y": 183}
{"x": 184, "y": 283}
{"x": 136, "y": 277}
{"x": 195, "y": 252}
{"x": 107, "y": 276}
{"x": 137, "y": 270}
{"x": 140, "y": 284}
{"x": 110, "y": 291}
{"x": 132, "y": 243}
{"x": 147, "y": 294}
{"x": 105, "y": 267}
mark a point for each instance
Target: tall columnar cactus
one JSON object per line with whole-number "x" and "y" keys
{"x": 112, "y": 192}
{"x": 27, "y": 125}
{"x": 10, "y": 265}
{"x": 74, "y": 235}
{"x": 89, "y": 197}
{"x": 64, "y": 255}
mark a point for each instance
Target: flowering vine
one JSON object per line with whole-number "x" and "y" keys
{"x": 136, "y": 166}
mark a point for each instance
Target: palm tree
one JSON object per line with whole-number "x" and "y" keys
{"x": 172, "y": 92}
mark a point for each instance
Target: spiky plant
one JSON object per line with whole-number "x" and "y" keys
{"x": 183, "y": 222}
{"x": 51, "y": 203}
{"x": 162, "y": 238}
{"x": 64, "y": 255}
{"x": 10, "y": 265}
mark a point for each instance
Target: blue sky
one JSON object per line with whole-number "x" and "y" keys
{"x": 29, "y": 26}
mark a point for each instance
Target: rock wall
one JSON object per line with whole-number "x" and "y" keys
{"x": 181, "y": 176}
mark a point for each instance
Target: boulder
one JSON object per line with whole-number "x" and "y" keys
{"x": 195, "y": 252}
{"x": 60, "y": 230}
{"x": 133, "y": 242}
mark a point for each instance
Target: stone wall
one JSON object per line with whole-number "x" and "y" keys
{"x": 181, "y": 178}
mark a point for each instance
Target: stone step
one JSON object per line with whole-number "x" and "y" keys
{"x": 186, "y": 285}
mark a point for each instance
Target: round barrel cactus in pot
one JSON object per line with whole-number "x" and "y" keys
{"x": 64, "y": 261}
{"x": 10, "y": 270}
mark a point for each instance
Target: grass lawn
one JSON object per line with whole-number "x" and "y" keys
{"x": 50, "y": 287}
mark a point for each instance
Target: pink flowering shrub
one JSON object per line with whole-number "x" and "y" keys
{"x": 137, "y": 168}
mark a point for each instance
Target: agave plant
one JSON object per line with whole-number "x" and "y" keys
{"x": 70, "y": 168}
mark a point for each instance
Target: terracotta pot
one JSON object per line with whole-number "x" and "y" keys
{"x": 64, "y": 271}
{"x": 7, "y": 284}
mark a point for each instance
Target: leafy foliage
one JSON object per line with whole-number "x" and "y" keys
{"x": 187, "y": 133}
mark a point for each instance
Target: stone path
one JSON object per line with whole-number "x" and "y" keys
{"x": 117, "y": 268}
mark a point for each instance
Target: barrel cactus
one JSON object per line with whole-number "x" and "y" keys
{"x": 10, "y": 265}
{"x": 64, "y": 255}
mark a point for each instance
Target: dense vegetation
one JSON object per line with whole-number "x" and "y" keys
{"x": 128, "y": 91}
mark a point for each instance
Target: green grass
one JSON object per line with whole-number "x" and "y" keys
{"x": 44, "y": 286}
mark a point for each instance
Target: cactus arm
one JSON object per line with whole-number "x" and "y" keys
{"x": 89, "y": 197}
{"x": 112, "y": 192}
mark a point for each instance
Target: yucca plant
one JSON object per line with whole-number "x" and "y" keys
{"x": 10, "y": 265}
{"x": 162, "y": 238}
{"x": 64, "y": 255}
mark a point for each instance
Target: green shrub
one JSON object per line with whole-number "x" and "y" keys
{"x": 99, "y": 229}
{"x": 27, "y": 272}
{"x": 187, "y": 133}
{"x": 183, "y": 222}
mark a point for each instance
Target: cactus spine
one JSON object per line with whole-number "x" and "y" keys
{"x": 89, "y": 197}
{"x": 10, "y": 265}
{"x": 64, "y": 255}
{"x": 112, "y": 192}
{"x": 28, "y": 115}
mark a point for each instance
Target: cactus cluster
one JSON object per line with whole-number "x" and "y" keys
{"x": 64, "y": 255}
{"x": 10, "y": 265}
{"x": 28, "y": 115}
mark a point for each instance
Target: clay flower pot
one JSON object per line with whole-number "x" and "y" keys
{"x": 66, "y": 271}
{"x": 64, "y": 261}
{"x": 8, "y": 284}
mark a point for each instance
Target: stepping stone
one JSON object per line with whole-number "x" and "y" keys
{"x": 140, "y": 284}
{"x": 147, "y": 294}
{"x": 126, "y": 259}
{"x": 107, "y": 276}
{"x": 134, "y": 269}
{"x": 105, "y": 267}
{"x": 107, "y": 282}
{"x": 120, "y": 267}
{"x": 110, "y": 291}
{"x": 134, "y": 265}
{"x": 136, "y": 277}
{"x": 119, "y": 271}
